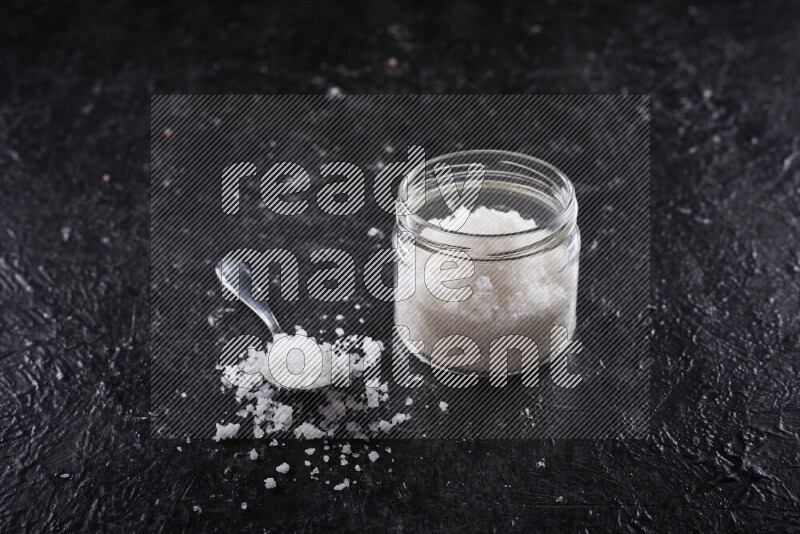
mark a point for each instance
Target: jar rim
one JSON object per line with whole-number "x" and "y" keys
{"x": 540, "y": 237}
{"x": 424, "y": 223}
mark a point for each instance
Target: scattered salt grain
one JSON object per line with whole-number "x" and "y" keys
{"x": 244, "y": 506}
{"x": 270, "y": 483}
{"x": 344, "y": 484}
{"x": 306, "y": 463}
{"x": 340, "y": 317}
{"x": 385, "y": 426}
{"x": 373, "y": 456}
{"x": 443, "y": 406}
{"x": 310, "y": 451}
{"x": 308, "y": 431}
{"x": 226, "y": 431}
{"x": 326, "y": 458}
{"x": 197, "y": 509}
{"x": 253, "y": 454}
{"x": 372, "y": 232}
{"x": 283, "y": 468}
{"x": 339, "y": 332}
{"x": 409, "y": 401}
{"x": 357, "y": 468}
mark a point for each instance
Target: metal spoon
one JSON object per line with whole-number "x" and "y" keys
{"x": 226, "y": 272}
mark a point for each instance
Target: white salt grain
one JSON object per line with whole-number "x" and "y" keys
{"x": 443, "y": 406}
{"x": 409, "y": 401}
{"x": 283, "y": 468}
{"x": 270, "y": 483}
{"x": 344, "y": 484}
{"x": 373, "y": 456}
{"x": 253, "y": 454}
{"x": 310, "y": 451}
{"x": 226, "y": 431}
{"x": 308, "y": 431}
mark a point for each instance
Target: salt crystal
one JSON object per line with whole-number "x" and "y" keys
{"x": 308, "y": 431}
{"x": 226, "y": 431}
{"x": 385, "y": 426}
{"x": 344, "y": 484}
{"x": 253, "y": 454}
{"x": 310, "y": 451}
{"x": 283, "y": 468}
{"x": 443, "y": 406}
{"x": 270, "y": 483}
{"x": 373, "y": 456}
{"x": 409, "y": 401}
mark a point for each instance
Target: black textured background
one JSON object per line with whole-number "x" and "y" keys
{"x": 75, "y": 85}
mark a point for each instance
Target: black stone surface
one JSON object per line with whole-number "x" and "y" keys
{"x": 75, "y": 82}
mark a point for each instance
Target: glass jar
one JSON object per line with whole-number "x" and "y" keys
{"x": 518, "y": 273}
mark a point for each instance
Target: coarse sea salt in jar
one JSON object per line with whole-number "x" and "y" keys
{"x": 495, "y": 260}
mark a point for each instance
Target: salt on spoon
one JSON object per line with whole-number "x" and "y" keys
{"x": 226, "y": 271}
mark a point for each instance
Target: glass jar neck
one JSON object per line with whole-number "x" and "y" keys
{"x": 521, "y": 181}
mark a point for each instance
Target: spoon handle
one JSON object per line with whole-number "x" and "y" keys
{"x": 226, "y": 272}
